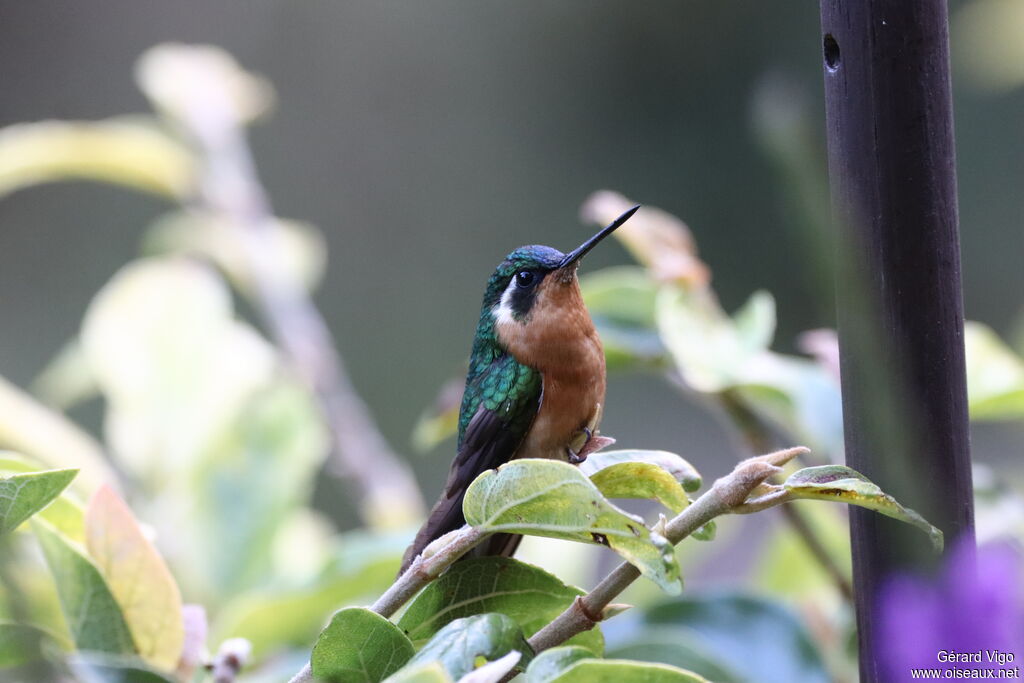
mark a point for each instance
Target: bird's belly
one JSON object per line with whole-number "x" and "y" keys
{"x": 567, "y": 407}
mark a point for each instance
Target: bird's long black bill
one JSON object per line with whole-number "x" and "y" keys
{"x": 581, "y": 251}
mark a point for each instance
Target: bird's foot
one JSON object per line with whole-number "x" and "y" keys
{"x": 585, "y": 443}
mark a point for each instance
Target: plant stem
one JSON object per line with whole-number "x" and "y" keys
{"x": 422, "y": 571}
{"x": 758, "y": 439}
{"x": 727, "y": 494}
{"x": 230, "y": 187}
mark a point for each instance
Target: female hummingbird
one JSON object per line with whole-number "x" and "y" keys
{"x": 536, "y": 380}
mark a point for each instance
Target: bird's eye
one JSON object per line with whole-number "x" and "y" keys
{"x": 524, "y": 278}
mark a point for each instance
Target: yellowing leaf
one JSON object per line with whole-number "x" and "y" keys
{"x": 138, "y": 578}
{"x": 844, "y": 485}
{"x": 132, "y": 152}
{"x": 554, "y": 499}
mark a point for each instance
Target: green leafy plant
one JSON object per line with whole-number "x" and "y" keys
{"x": 218, "y": 425}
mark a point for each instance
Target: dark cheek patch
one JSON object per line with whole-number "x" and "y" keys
{"x": 523, "y": 298}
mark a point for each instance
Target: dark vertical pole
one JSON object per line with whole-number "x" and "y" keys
{"x": 891, "y": 167}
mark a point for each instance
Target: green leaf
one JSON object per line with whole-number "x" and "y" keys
{"x": 550, "y": 664}
{"x": 137, "y": 577}
{"x": 97, "y": 667}
{"x": 624, "y": 671}
{"x": 23, "y": 495}
{"x": 554, "y": 499}
{"x": 458, "y": 645}
{"x": 432, "y": 672}
{"x": 706, "y": 531}
{"x": 65, "y": 512}
{"x": 529, "y": 595}
{"x": 995, "y": 375}
{"x": 678, "y": 646}
{"x": 24, "y": 643}
{"x": 711, "y": 349}
{"x": 91, "y": 612}
{"x": 844, "y": 485}
{"x": 680, "y": 469}
{"x": 754, "y": 639}
{"x": 621, "y": 300}
{"x": 359, "y": 646}
{"x": 363, "y": 567}
{"x": 641, "y": 480}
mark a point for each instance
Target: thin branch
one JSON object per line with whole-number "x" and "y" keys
{"x": 726, "y": 495}
{"x": 230, "y": 187}
{"x": 758, "y": 439}
{"x": 425, "y": 568}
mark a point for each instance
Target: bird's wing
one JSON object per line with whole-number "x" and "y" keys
{"x": 501, "y": 399}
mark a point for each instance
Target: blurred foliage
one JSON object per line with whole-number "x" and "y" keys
{"x": 199, "y": 491}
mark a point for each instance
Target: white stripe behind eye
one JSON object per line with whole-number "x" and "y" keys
{"x": 503, "y": 311}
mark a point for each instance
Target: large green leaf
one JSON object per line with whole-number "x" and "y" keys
{"x": 678, "y": 646}
{"x": 361, "y": 568}
{"x": 23, "y": 495}
{"x": 844, "y": 485}
{"x": 573, "y": 665}
{"x": 458, "y": 645}
{"x": 753, "y": 639}
{"x": 359, "y": 646}
{"x": 431, "y": 672}
{"x": 527, "y": 594}
{"x": 65, "y": 512}
{"x": 550, "y": 664}
{"x": 555, "y": 499}
{"x": 137, "y": 577}
{"x": 92, "y": 614}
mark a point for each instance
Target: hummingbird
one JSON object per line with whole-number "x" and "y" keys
{"x": 536, "y": 380}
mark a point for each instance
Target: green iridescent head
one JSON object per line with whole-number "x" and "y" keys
{"x": 511, "y": 289}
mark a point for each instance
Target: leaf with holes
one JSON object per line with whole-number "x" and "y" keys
{"x": 359, "y": 646}
{"x": 92, "y": 614}
{"x": 23, "y": 495}
{"x": 138, "y": 578}
{"x": 527, "y": 594}
{"x": 554, "y": 499}
{"x": 844, "y": 485}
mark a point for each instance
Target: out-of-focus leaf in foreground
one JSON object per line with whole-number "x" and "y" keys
{"x": 555, "y": 499}
{"x": 130, "y": 151}
{"x": 92, "y": 613}
{"x": 359, "y": 646}
{"x": 459, "y": 645}
{"x": 23, "y": 495}
{"x": 527, "y": 594}
{"x": 138, "y": 579}
{"x": 570, "y": 665}
{"x": 298, "y": 247}
{"x": 995, "y": 375}
{"x": 171, "y": 360}
{"x": 64, "y": 512}
{"x": 844, "y": 485}
{"x": 706, "y": 632}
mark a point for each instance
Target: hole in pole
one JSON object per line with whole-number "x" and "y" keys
{"x": 831, "y": 50}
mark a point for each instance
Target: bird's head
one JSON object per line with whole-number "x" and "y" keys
{"x": 537, "y": 284}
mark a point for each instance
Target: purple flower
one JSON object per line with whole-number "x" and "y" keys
{"x": 971, "y": 616}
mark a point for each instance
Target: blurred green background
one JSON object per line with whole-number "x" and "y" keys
{"x": 428, "y": 139}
